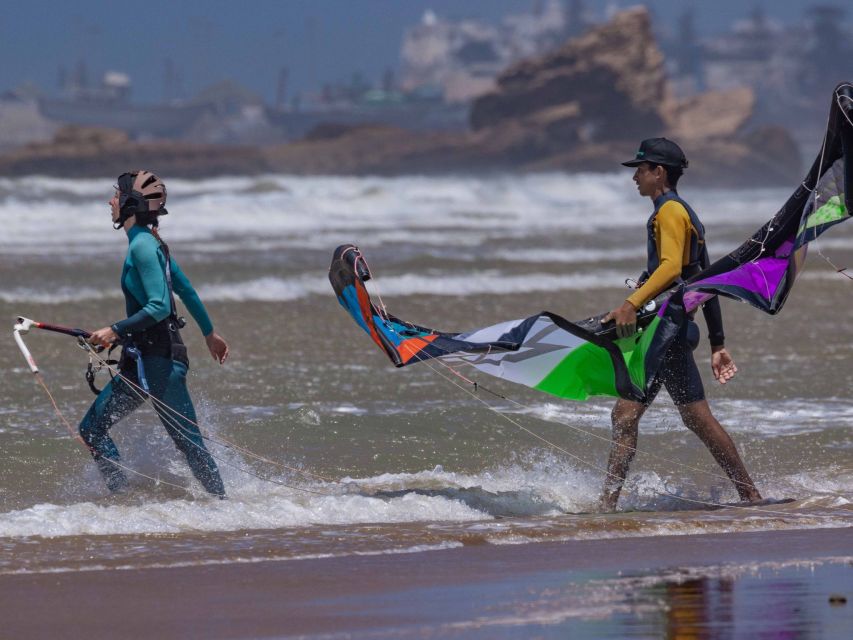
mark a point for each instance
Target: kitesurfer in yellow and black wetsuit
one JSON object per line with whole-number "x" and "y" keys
{"x": 676, "y": 250}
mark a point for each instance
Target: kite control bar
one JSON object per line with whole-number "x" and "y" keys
{"x": 23, "y": 326}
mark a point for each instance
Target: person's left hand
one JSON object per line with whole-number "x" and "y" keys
{"x": 722, "y": 365}
{"x": 625, "y": 318}
{"x": 103, "y": 337}
{"x": 217, "y": 346}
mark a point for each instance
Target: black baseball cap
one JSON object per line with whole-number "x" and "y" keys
{"x": 659, "y": 151}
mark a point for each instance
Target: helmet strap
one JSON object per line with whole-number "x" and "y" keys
{"x": 123, "y": 217}
{"x": 129, "y": 204}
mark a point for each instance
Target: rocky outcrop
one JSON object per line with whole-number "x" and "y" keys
{"x": 708, "y": 116}
{"x": 606, "y": 74}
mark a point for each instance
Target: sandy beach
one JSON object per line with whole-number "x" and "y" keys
{"x": 629, "y": 587}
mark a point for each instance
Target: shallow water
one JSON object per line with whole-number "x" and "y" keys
{"x": 369, "y": 459}
{"x": 765, "y": 600}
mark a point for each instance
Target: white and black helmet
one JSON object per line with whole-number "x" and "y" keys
{"x": 142, "y": 194}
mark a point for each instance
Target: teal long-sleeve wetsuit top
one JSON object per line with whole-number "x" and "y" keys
{"x": 146, "y": 293}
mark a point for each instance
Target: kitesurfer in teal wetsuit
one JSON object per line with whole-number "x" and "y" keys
{"x": 148, "y": 280}
{"x": 676, "y": 251}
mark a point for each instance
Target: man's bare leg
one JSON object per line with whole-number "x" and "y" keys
{"x": 698, "y": 418}
{"x": 626, "y": 420}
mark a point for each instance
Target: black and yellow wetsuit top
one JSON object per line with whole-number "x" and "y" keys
{"x": 676, "y": 251}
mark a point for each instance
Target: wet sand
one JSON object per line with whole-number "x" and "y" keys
{"x": 524, "y": 590}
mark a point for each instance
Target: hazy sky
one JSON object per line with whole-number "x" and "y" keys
{"x": 250, "y": 40}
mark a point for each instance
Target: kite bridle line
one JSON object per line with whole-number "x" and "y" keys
{"x": 360, "y": 256}
{"x": 838, "y": 97}
{"x": 591, "y": 465}
{"x": 24, "y": 325}
{"x": 591, "y": 434}
{"x": 606, "y": 472}
{"x": 814, "y": 198}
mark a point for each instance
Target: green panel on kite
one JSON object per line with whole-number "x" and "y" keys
{"x": 833, "y": 211}
{"x": 637, "y": 365}
{"x": 588, "y": 370}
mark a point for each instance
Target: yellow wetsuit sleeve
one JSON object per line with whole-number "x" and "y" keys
{"x": 672, "y": 236}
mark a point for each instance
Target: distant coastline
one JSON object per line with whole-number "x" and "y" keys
{"x": 580, "y": 107}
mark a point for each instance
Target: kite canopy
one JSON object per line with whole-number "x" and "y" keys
{"x": 573, "y": 360}
{"x": 763, "y": 269}
{"x": 576, "y": 360}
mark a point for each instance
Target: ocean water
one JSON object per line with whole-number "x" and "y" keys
{"x": 324, "y": 447}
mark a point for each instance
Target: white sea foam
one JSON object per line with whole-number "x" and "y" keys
{"x": 434, "y": 496}
{"x": 463, "y": 284}
{"x": 785, "y": 417}
{"x": 275, "y": 289}
{"x": 789, "y": 417}
{"x": 290, "y": 208}
{"x": 833, "y": 481}
{"x": 268, "y": 509}
{"x": 54, "y": 295}
{"x": 569, "y": 256}
{"x": 542, "y": 483}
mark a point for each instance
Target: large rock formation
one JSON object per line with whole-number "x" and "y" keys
{"x": 716, "y": 114}
{"x": 614, "y": 70}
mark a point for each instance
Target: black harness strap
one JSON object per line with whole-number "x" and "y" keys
{"x": 173, "y": 315}
{"x": 175, "y": 322}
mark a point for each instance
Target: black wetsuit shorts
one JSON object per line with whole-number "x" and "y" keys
{"x": 678, "y": 371}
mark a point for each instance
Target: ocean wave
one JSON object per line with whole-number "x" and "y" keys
{"x": 454, "y": 285}
{"x": 539, "y": 484}
{"x": 568, "y": 256}
{"x": 789, "y": 417}
{"x": 277, "y": 205}
{"x": 265, "y": 510}
{"x": 61, "y": 295}
{"x": 274, "y": 289}
{"x": 435, "y": 496}
{"x": 440, "y": 283}
{"x": 793, "y": 416}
